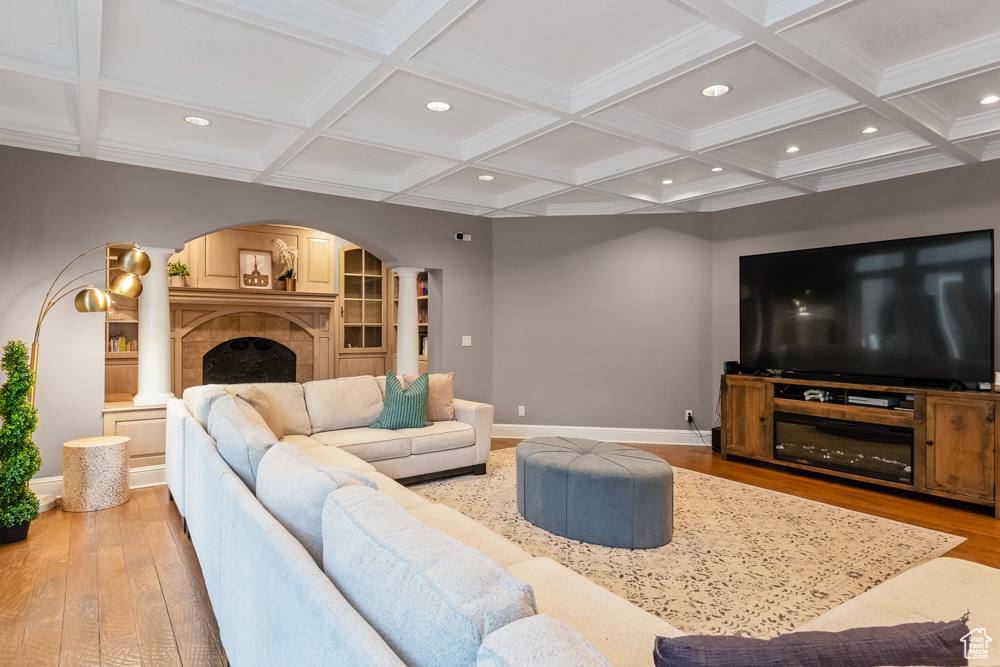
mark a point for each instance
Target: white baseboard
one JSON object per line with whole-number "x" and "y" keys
{"x": 137, "y": 479}
{"x": 642, "y": 436}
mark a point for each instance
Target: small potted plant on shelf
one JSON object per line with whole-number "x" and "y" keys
{"x": 177, "y": 274}
{"x": 19, "y": 457}
{"x": 287, "y": 255}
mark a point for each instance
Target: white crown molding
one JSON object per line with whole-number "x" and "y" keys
{"x": 446, "y": 59}
{"x": 511, "y": 130}
{"x": 38, "y": 140}
{"x": 837, "y": 54}
{"x": 366, "y": 131}
{"x": 614, "y": 207}
{"x": 862, "y": 151}
{"x": 139, "y": 81}
{"x": 925, "y": 112}
{"x": 138, "y": 478}
{"x": 508, "y": 214}
{"x": 942, "y": 64}
{"x": 621, "y": 164}
{"x": 524, "y": 166}
{"x": 628, "y": 120}
{"x": 37, "y": 59}
{"x": 408, "y": 200}
{"x": 879, "y": 171}
{"x": 527, "y": 193}
{"x": 794, "y": 111}
{"x": 352, "y": 178}
{"x": 343, "y": 80}
{"x": 312, "y": 185}
{"x": 991, "y": 151}
{"x": 986, "y": 122}
{"x": 151, "y": 157}
{"x": 679, "y": 193}
{"x": 639, "y": 436}
{"x": 675, "y": 52}
{"x": 747, "y": 196}
{"x": 741, "y": 157}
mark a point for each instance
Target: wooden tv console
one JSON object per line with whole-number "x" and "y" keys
{"x": 955, "y": 450}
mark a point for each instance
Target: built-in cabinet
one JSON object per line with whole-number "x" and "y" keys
{"x": 954, "y": 437}
{"x": 363, "y": 338}
{"x": 121, "y": 334}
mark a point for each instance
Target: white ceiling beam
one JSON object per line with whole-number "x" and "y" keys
{"x": 89, "y": 22}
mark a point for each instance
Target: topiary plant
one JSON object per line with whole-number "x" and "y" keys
{"x": 19, "y": 457}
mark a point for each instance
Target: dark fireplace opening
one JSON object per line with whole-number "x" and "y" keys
{"x": 244, "y": 360}
{"x": 872, "y": 450}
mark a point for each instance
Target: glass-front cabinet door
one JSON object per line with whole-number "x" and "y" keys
{"x": 363, "y": 302}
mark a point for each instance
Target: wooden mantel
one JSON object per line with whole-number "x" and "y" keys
{"x": 200, "y": 296}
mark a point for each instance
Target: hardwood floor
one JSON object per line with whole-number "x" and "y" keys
{"x": 123, "y": 586}
{"x": 120, "y": 586}
{"x": 975, "y": 523}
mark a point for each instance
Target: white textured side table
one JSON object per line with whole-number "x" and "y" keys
{"x": 95, "y": 473}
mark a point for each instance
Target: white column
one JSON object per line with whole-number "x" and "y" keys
{"x": 406, "y": 325}
{"x": 154, "y": 331}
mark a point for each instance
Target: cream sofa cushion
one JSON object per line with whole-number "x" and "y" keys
{"x": 431, "y": 598}
{"x": 293, "y": 486}
{"x": 439, "y": 436}
{"x": 474, "y": 535}
{"x": 342, "y": 403}
{"x": 241, "y": 435}
{"x": 369, "y": 444}
{"x": 199, "y": 400}
{"x": 329, "y": 456}
{"x": 407, "y": 499}
{"x": 287, "y": 400}
{"x": 538, "y": 640}
{"x": 623, "y": 633}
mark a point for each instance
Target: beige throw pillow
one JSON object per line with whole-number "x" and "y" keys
{"x": 262, "y": 404}
{"x": 441, "y": 401}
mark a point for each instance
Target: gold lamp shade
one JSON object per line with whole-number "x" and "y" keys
{"x": 127, "y": 284}
{"x": 134, "y": 261}
{"x": 92, "y": 300}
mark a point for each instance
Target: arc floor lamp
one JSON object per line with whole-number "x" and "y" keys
{"x": 90, "y": 299}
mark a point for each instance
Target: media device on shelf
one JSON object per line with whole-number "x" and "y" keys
{"x": 915, "y": 311}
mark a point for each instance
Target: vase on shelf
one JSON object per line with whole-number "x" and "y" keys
{"x": 290, "y": 284}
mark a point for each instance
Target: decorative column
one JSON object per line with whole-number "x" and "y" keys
{"x": 154, "y": 331}
{"x": 407, "y": 338}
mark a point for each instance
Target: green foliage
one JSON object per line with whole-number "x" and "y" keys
{"x": 19, "y": 457}
{"x": 177, "y": 269}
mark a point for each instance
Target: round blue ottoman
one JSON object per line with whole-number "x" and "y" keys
{"x": 597, "y": 492}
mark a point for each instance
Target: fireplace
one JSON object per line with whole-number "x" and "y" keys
{"x": 871, "y": 450}
{"x": 248, "y": 359}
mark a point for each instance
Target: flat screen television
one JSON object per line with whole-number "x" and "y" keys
{"x": 905, "y": 311}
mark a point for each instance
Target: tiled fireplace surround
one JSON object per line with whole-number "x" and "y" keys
{"x": 200, "y": 321}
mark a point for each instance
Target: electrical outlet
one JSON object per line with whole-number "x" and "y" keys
{"x": 689, "y": 415}
{"x": 466, "y": 341}
{"x": 520, "y": 411}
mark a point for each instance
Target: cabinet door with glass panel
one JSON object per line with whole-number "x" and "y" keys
{"x": 362, "y": 300}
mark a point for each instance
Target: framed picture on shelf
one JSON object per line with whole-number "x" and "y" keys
{"x": 255, "y": 270}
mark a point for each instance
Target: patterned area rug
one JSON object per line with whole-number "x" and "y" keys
{"x": 743, "y": 560}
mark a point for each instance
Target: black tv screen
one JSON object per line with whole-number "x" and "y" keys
{"x": 902, "y": 310}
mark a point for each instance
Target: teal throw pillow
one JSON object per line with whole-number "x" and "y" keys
{"x": 404, "y": 408}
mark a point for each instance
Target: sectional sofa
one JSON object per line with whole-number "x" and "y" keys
{"x": 313, "y": 555}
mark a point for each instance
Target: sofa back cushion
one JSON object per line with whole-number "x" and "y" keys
{"x": 293, "y": 486}
{"x": 287, "y": 400}
{"x": 259, "y": 401}
{"x": 199, "y": 400}
{"x": 241, "y": 435}
{"x": 350, "y": 402}
{"x": 430, "y": 597}
{"x": 538, "y": 640}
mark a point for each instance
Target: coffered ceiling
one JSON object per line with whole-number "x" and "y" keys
{"x": 558, "y": 107}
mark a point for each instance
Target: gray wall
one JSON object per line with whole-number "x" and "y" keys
{"x": 53, "y": 207}
{"x": 950, "y": 200}
{"x": 603, "y": 321}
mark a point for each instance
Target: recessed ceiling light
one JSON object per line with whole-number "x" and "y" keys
{"x": 667, "y": 182}
{"x": 716, "y": 91}
{"x": 438, "y": 106}
{"x": 716, "y": 168}
{"x": 197, "y": 120}
{"x": 991, "y": 99}
{"x": 486, "y": 177}
{"x": 869, "y": 130}
{"x": 792, "y": 149}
